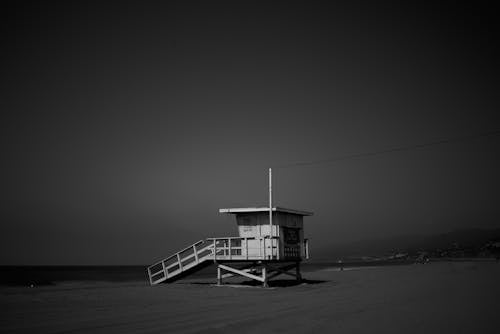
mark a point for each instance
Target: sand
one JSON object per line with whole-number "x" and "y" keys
{"x": 448, "y": 297}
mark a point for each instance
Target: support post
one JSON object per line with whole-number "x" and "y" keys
{"x": 264, "y": 277}
{"x": 297, "y": 272}
{"x": 219, "y": 275}
{"x": 306, "y": 241}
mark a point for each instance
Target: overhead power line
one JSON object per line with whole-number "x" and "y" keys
{"x": 391, "y": 150}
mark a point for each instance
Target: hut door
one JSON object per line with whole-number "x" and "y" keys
{"x": 291, "y": 240}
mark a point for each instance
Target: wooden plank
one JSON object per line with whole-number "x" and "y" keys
{"x": 171, "y": 266}
{"x": 266, "y": 209}
{"x": 185, "y": 249}
{"x": 247, "y": 269}
{"x": 159, "y": 280}
{"x": 225, "y": 238}
{"x": 195, "y": 254}
{"x": 241, "y": 272}
{"x": 156, "y": 273}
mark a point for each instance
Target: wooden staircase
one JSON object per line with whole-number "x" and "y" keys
{"x": 184, "y": 262}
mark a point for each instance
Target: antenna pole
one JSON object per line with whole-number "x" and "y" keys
{"x": 271, "y": 211}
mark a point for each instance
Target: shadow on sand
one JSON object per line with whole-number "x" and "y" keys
{"x": 279, "y": 283}
{"x": 283, "y": 283}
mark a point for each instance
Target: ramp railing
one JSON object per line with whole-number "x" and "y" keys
{"x": 178, "y": 262}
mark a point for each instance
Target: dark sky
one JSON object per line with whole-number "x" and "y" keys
{"x": 126, "y": 127}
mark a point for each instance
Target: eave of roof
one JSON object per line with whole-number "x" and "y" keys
{"x": 264, "y": 209}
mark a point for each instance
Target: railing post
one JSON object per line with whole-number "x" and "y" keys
{"x": 261, "y": 245}
{"x": 273, "y": 254}
{"x": 150, "y": 277}
{"x": 195, "y": 254}
{"x": 265, "y": 247}
{"x": 179, "y": 260}
{"x": 229, "y": 248}
{"x": 215, "y": 250}
{"x": 164, "y": 269}
{"x": 277, "y": 249}
{"x": 246, "y": 248}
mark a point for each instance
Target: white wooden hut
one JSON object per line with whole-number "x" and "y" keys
{"x": 285, "y": 242}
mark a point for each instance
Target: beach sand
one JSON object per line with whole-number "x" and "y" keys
{"x": 443, "y": 297}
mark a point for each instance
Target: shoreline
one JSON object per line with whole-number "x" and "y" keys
{"x": 40, "y": 276}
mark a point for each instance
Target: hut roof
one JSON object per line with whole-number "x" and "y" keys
{"x": 265, "y": 209}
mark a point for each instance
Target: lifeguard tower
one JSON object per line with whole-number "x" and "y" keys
{"x": 270, "y": 243}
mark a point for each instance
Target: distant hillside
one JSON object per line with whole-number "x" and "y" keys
{"x": 464, "y": 238}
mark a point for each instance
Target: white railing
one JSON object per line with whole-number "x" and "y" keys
{"x": 176, "y": 263}
{"x": 241, "y": 248}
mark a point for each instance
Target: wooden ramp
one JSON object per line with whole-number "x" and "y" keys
{"x": 259, "y": 255}
{"x": 182, "y": 263}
